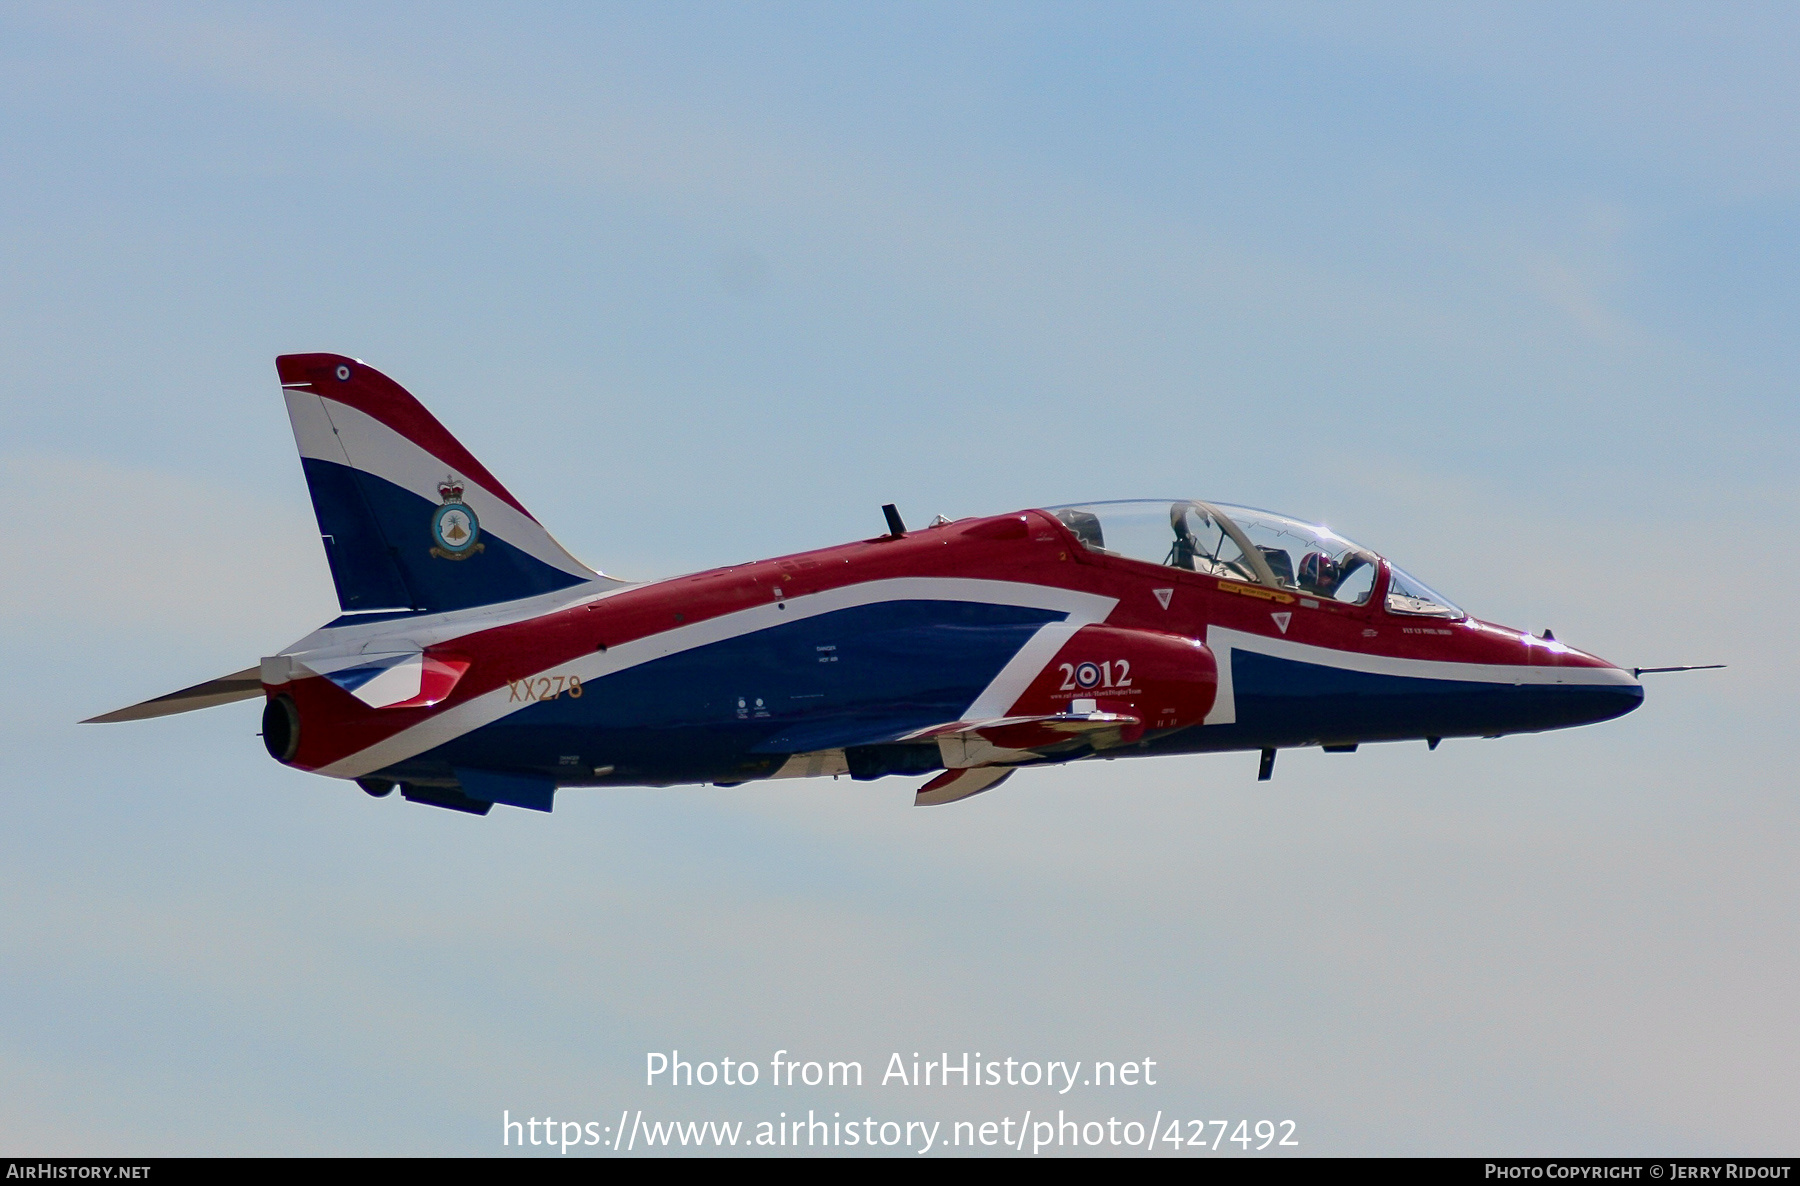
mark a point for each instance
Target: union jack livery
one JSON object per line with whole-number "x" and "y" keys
{"x": 476, "y": 662}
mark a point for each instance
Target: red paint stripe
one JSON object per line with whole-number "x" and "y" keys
{"x": 371, "y": 392}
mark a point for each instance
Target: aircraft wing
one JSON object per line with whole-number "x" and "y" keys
{"x": 979, "y": 755}
{"x": 239, "y": 685}
{"x": 1004, "y": 740}
{"x": 1051, "y": 727}
{"x": 1031, "y": 731}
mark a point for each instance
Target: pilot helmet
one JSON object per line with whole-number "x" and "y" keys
{"x": 1318, "y": 571}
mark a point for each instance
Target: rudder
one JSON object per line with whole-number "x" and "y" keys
{"x": 410, "y": 519}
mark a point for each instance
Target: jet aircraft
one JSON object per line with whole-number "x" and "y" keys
{"x": 476, "y": 661}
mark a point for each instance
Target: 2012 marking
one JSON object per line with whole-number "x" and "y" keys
{"x": 1112, "y": 673}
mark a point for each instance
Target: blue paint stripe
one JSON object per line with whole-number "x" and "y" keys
{"x": 353, "y": 678}
{"x": 893, "y": 667}
{"x": 378, "y": 542}
{"x": 1287, "y": 702}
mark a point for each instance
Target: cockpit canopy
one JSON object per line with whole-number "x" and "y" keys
{"x": 1243, "y": 544}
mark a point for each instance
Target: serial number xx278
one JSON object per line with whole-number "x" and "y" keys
{"x": 544, "y": 687}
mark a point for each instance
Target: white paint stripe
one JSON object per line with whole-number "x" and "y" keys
{"x": 345, "y": 661}
{"x": 326, "y": 430}
{"x": 1224, "y": 709}
{"x": 492, "y": 706}
{"x": 1224, "y": 641}
{"x": 313, "y": 434}
{"x": 997, "y": 699}
{"x": 397, "y": 684}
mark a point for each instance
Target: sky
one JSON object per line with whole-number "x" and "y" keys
{"x": 1509, "y": 293}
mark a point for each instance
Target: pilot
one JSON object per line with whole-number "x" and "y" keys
{"x": 1320, "y": 574}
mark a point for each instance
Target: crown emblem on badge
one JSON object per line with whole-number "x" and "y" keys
{"x": 455, "y": 531}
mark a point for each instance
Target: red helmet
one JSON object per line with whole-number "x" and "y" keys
{"x": 1319, "y": 571}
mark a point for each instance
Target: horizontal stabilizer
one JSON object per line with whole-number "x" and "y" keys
{"x": 239, "y": 685}
{"x": 953, "y": 785}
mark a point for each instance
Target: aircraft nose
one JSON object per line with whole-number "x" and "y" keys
{"x": 1599, "y": 693}
{"x": 1614, "y": 699}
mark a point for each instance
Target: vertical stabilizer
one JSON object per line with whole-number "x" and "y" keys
{"x": 410, "y": 520}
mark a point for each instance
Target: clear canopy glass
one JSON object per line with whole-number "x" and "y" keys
{"x": 1244, "y": 544}
{"x": 1407, "y": 594}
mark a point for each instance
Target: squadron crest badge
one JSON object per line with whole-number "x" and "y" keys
{"x": 455, "y": 531}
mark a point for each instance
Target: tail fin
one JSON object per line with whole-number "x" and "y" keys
{"x": 411, "y": 520}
